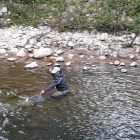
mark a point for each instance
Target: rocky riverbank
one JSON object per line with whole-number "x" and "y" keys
{"x": 48, "y": 43}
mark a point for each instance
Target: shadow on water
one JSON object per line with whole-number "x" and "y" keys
{"x": 103, "y": 104}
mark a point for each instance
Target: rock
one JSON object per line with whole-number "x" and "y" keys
{"x": 113, "y": 55}
{"x": 102, "y": 57}
{"x": 33, "y": 41}
{"x": 21, "y": 53}
{"x": 123, "y": 70}
{"x": 71, "y": 44}
{"x": 56, "y": 65}
{"x": 137, "y": 50}
{"x": 104, "y": 37}
{"x": 68, "y": 63}
{"x": 14, "y": 50}
{"x": 116, "y": 63}
{"x": 48, "y": 64}
{"x": 55, "y": 55}
{"x": 31, "y": 65}
{"x": 70, "y": 56}
{"x": 86, "y": 68}
{"x": 122, "y": 64}
{"x": 31, "y": 55}
{"x": 2, "y": 51}
{"x": 60, "y": 59}
{"x": 111, "y": 63}
{"x": 28, "y": 46}
{"x": 133, "y": 35}
{"x": 42, "y": 52}
{"x": 133, "y": 64}
{"x": 6, "y": 54}
{"x": 132, "y": 56}
{"x": 81, "y": 56}
{"x": 59, "y": 52}
{"x": 11, "y": 59}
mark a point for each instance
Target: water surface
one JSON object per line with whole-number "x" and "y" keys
{"x": 103, "y": 104}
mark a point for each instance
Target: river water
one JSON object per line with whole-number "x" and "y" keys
{"x": 103, "y": 104}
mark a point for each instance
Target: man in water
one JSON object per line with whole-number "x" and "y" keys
{"x": 59, "y": 82}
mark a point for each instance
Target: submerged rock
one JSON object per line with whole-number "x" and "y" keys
{"x": 11, "y": 59}
{"x": 31, "y": 65}
{"x": 123, "y": 70}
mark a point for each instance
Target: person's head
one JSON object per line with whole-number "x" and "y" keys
{"x": 55, "y": 71}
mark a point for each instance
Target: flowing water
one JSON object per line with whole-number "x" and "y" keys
{"x": 103, "y": 104}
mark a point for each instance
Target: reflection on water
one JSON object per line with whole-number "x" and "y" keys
{"x": 103, "y": 104}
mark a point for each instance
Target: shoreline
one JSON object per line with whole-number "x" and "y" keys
{"x": 18, "y": 42}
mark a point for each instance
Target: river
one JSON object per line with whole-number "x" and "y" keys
{"x": 102, "y": 104}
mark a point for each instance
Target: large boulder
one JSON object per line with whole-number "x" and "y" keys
{"x": 42, "y": 52}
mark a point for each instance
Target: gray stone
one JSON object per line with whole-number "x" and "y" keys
{"x": 21, "y": 53}
{"x": 133, "y": 64}
{"x": 60, "y": 59}
{"x": 31, "y": 65}
{"x": 122, "y": 64}
{"x": 42, "y": 52}
{"x": 123, "y": 70}
{"x": 116, "y": 63}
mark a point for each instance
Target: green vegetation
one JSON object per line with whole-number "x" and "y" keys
{"x": 104, "y": 15}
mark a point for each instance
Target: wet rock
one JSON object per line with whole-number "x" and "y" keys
{"x": 122, "y": 64}
{"x": 68, "y": 63}
{"x": 60, "y": 59}
{"x": 56, "y": 65}
{"x": 123, "y": 70}
{"x": 42, "y": 52}
{"x": 133, "y": 64}
{"x": 48, "y": 64}
{"x": 111, "y": 63}
{"x": 21, "y": 53}
{"x": 86, "y": 68}
{"x": 31, "y": 65}
{"x": 116, "y": 63}
{"x": 11, "y": 59}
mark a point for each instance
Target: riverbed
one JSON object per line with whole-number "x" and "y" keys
{"x": 102, "y": 104}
